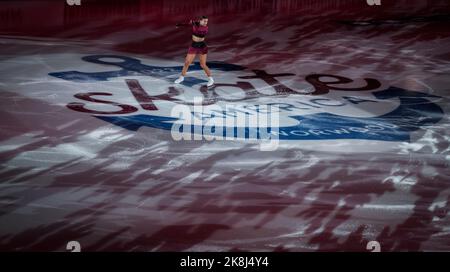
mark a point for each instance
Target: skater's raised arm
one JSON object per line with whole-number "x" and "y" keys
{"x": 191, "y": 22}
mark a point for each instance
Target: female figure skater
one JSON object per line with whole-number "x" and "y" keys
{"x": 198, "y": 47}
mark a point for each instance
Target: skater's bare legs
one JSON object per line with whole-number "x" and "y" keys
{"x": 203, "y": 64}
{"x": 188, "y": 61}
{"x": 206, "y": 69}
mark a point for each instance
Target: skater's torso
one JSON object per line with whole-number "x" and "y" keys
{"x": 198, "y": 32}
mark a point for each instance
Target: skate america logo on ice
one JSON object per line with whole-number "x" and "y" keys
{"x": 334, "y": 109}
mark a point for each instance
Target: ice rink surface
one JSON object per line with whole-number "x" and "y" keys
{"x": 87, "y": 153}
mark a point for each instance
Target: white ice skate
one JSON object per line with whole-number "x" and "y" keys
{"x": 210, "y": 82}
{"x": 179, "y": 80}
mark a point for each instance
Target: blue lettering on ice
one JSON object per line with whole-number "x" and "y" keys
{"x": 415, "y": 111}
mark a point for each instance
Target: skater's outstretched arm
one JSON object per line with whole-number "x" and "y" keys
{"x": 190, "y": 23}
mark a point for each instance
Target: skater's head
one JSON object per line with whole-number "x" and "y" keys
{"x": 203, "y": 20}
